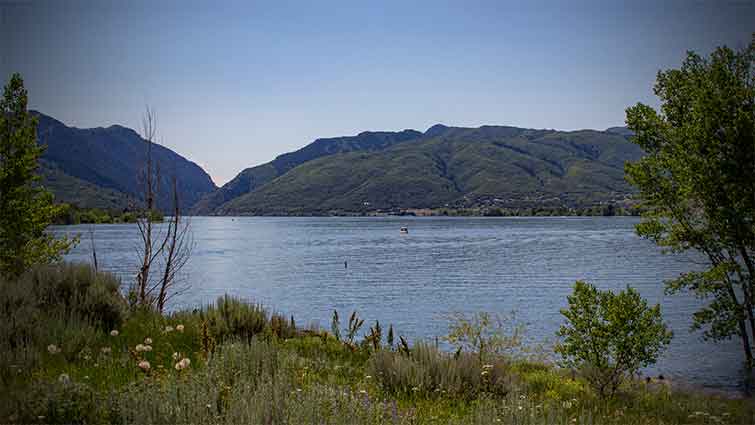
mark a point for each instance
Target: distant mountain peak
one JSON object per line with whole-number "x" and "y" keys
{"x": 436, "y": 130}
{"x": 622, "y": 131}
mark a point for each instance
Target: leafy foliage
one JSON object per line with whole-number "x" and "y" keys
{"x": 25, "y": 208}
{"x": 696, "y": 183}
{"x": 488, "y": 335}
{"x": 609, "y": 336}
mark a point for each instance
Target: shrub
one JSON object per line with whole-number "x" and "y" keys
{"x": 426, "y": 371}
{"x": 46, "y": 295}
{"x": 609, "y": 336}
{"x": 77, "y": 289}
{"x": 233, "y": 318}
{"x": 488, "y": 335}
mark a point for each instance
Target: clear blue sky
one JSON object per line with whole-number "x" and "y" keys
{"x": 238, "y": 83}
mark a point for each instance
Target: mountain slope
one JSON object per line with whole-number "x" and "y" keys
{"x": 252, "y": 178}
{"x": 509, "y": 166}
{"x": 112, "y": 158}
{"x": 74, "y": 191}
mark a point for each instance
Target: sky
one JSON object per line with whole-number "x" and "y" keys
{"x": 235, "y": 84}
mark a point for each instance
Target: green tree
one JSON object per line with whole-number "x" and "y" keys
{"x": 697, "y": 184}
{"x": 26, "y": 209}
{"x": 610, "y": 336}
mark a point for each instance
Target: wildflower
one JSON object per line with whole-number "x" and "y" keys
{"x": 144, "y": 365}
{"x": 53, "y": 349}
{"x": 64, "y": 379}
{"x": 147, "y": 348}
{"x": 484, "y": 372}
{"x": 180, "y": 328}
{"x": 298, "y": 390}
{"x": 183, "y": 364}
{"x": 362, "y": 392}
{"x": 139, "y": 347}
{"x": 168, "y": 329}
{"x": 175, "y": 356}
{"x": 368, "y": 377}
{"x": 520, "y": 407}
{"x": 114, "y": 332}
{"x": 487, "y": 366}
{"x": 148, "y": 341}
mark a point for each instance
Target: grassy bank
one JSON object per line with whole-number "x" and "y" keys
{"x": 72, "y": 351}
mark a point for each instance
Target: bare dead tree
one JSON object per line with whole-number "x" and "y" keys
{"x": 178, "y": 250}
{"x": 168, "y": 245}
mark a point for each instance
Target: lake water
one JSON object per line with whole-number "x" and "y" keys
{"x": 526, "y": 265}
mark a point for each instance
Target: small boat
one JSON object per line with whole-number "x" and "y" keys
{"x": 404, "y": 230}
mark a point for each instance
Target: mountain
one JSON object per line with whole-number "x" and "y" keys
{"x": 252, "y": 178}
{"x": 95, "y": 167}
{"x": 489, "y": 165}
{"x": 74, "y": 191}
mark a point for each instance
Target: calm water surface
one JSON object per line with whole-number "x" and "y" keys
{"x": 527, "y": 265}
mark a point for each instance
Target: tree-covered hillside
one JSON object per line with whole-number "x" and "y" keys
{"x": 113, "y": 158}
{"x": 451, "y": 166}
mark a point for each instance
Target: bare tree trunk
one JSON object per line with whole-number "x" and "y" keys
{"x": 144, "y": 215}
{"x": 179, "y": 248}
{"x": 94, "y": 247}
{"x": 172, "y": 245}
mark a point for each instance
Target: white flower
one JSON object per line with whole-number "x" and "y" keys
{"x": 53, "y": 349}
{"x": 139, "y": 347}
{"x": 148, "y": 341}
{"x": 175, "y": 356}
{"x": 147, "y": 348}
{"x": 114, "y": 332}
{"x": 64, "y": 378}
{"x": 180, "y": 328}
{"x": 144, "y": 365}
{"x": 106, "y": 350}
{"x": 362, "y": 392}
{"x": 168, "y": 329}
{"x": 368, "y": 377}
{"x": 183, "y": 364}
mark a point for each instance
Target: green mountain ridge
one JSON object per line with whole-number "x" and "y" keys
{"x": 100, "y": 167}
{"x": 449, "y": 166}
{"x": 74, "y": 191}
{"x": 252, "y": 178}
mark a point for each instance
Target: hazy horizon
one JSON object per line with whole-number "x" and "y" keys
{"x": 237, "y": 84}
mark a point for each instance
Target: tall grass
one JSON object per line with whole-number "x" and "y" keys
{"x": 427, "y": 372}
